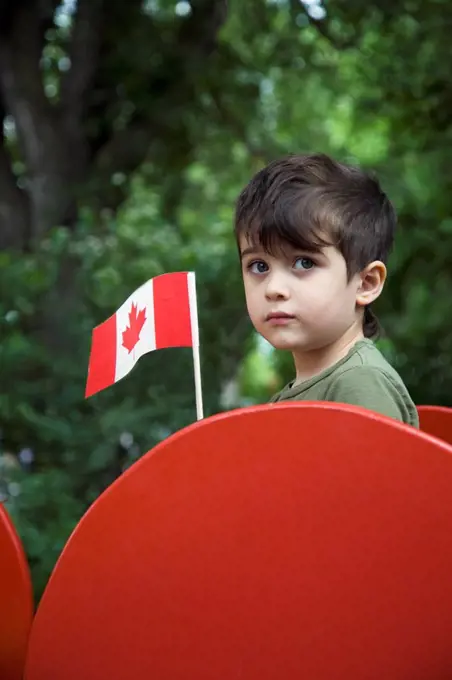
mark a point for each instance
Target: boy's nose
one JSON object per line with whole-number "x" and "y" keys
{"x": 277, "y": 288}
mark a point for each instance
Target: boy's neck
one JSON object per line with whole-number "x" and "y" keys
{"x": 311, "y": 363}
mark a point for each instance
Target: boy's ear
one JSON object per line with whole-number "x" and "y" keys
{"x": 372, "y": 280}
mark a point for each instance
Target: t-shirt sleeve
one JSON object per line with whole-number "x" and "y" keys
{"x": 370, "y": 388}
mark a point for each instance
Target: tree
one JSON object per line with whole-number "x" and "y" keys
{"x": 87, "y": 89}
{"x": 129, "y": 129}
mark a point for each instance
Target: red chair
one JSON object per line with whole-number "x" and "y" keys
{"x": 278, "y": 542}
{"x": 437, "y": 421}
{"x": 16, "y": 601}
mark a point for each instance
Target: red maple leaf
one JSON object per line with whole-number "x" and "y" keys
{"x": 131, "y": 335}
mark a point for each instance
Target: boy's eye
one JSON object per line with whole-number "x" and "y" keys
{"x": 303, "y": 263}
{"x": 258, "y": 267}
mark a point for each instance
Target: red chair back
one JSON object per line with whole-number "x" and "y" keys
{"x": 286, "y": 541}
{"x": 16, "y": 601}
{"x": 437, "y": 421}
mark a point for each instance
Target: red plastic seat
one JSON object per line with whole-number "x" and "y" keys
{"x": 437, "y": 421}
{"x": 278, "y": 542}
{"x": 16, "y": 601}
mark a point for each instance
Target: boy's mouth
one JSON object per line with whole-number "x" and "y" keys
{"x": 279, "y": 318}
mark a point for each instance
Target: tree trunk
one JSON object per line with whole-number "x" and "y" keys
{"x": 67, "y": 144}
{"x": 63, "y": 163}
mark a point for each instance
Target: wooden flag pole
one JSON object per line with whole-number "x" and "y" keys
{"x": 195, "y": 339}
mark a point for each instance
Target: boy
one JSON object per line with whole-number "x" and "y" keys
{"x": 314, "y": 236}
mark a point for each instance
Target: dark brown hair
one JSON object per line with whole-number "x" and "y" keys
{"x": 311, "y": 201}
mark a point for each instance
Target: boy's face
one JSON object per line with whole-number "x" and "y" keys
{"x": 299, "y": 301}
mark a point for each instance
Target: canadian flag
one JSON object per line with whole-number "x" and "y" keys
{"x": 161, "y": 313}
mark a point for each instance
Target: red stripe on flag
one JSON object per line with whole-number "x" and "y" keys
{"x": 172, "y": 311}
{"x": 102, "y": 360}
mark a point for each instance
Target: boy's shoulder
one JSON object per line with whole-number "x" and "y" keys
{"x": 363, "y": 378}
{"x": 365, "y": 359}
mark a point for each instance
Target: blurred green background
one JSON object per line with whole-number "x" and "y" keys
{"x": 128, "y": 130}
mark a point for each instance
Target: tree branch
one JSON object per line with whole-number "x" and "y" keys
{"x": 14, "y": 205}
{"x": 84, "y": 57}
{"x": 320, "y": 25}
{"x": 54, "y": 160}
{"x": 22, "y": 86}
{"x": 195, "y": 40}
{"x": 13, "y": 210}
{"x": 124, "y": 151}
{"x": 199, "y": 31}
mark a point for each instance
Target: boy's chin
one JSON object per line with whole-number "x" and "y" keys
{"x": 291, "y": 343}
{"x": 287, "y": 346}
{"x": 284, "y": 343}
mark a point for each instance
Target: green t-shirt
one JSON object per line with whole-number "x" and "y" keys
{"x": 362, "y": 378}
